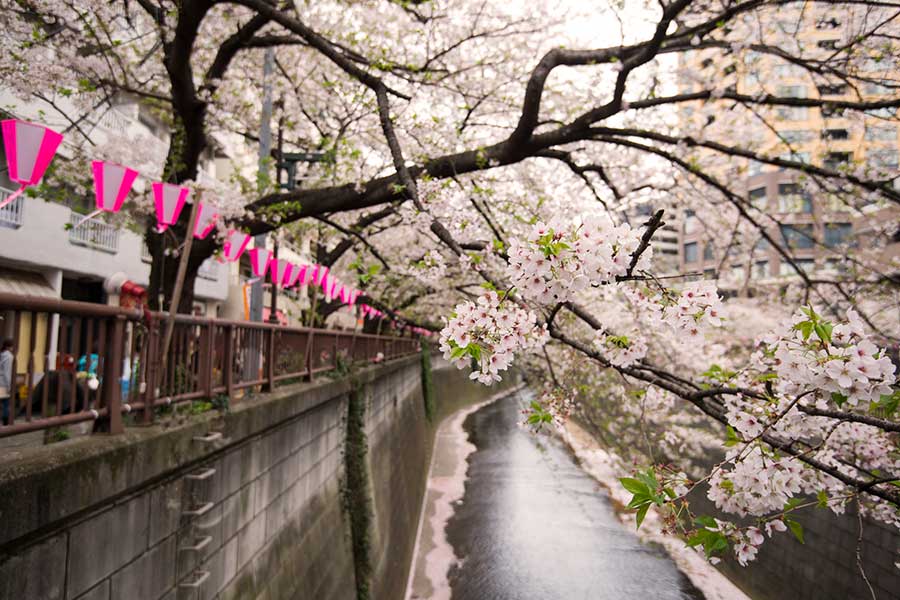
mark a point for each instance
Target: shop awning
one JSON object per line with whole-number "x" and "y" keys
{"x": 25, "y": 283}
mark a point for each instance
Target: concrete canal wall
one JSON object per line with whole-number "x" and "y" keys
{"x": 312, "y": 491}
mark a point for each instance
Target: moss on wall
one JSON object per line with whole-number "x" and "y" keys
{"x": 427, "y": 383}
{"x": 356, "y": 495}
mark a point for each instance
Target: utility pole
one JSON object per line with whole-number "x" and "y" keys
{"x": 265, "y": 152}
{"x": 273, "y": 307}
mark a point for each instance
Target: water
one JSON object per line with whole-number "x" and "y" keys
{"x": 533, "y": 525}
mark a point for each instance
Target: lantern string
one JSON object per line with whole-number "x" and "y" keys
{"x": 13, "y": 196}
{"x": 87, "y": 218}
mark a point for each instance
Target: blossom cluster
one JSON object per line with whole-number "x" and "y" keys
{"x": 487, "y": 333}
{"x": 687, "y": 312}
{"x": 839, "y": 361}
{"x": 621, "y": 350}
{"x": 552, "y": 407}
{"x": 561, "y": 258}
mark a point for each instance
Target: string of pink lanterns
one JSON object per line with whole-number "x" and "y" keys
{"x": 31, "y": 147}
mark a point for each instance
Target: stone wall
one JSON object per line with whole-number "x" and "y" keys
{"x": 260, "y": 512}
{"x": 825, "y": 566}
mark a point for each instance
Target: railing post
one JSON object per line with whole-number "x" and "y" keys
{"x": 228, "y": 362}
{"x": 270, "y": 362}
{"x": 206, "y": 357}
{"x": 112, "y": 374}
{"x": 152, "y": 372}
{"x": 308, "y": 357}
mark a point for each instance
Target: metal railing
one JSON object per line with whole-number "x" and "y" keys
{"x": 77, "y": 361}
{"x": 94, "y": 233}
{"x": 12, "y": 214}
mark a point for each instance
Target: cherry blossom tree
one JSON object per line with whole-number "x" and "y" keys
{"x": 491, "y": 162}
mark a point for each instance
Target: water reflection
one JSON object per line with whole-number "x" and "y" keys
{"x": 533, "y": 525}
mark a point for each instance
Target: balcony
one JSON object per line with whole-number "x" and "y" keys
{"x": 12, "y": 215}
{"x": 93, "y": 233}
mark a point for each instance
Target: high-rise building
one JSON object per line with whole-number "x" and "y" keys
{"x": 805, "y": 214}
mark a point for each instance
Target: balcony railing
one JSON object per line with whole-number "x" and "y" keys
{"x": 110, "y": 361}
{"x": 12, "y": 214}
{"x": 93, "y": 233}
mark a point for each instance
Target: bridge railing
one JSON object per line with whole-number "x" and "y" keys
{"x": 75, "y": 361}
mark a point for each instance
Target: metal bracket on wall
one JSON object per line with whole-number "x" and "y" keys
{"x": 202, "y": 576}
{"x": 200, "y": 510}
{"x": 201, "y": 474}
{"x": 199, "y": 545}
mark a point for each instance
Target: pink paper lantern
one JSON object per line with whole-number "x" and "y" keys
{"x": 303, "y": 272}
{"x": 112, "y": 183}
{"x": 29, "y": 150}
{"x": 319, "y": 274}
{"x": 169, "y": 199}
{"x": 206, "y": 220}
{"x": 234, "y": 245}
{"x": 292, "y": 276}
{"x": 280, "y": 272}
{"x": 260, "y": 259}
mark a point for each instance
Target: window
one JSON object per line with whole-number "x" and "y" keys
{"x": 835, "y": 134}
{"x": 761, "y": 245}
{"x": 761, "y": 269}
{"x": 756, "y": 167}
{"x": 792, "y": 113}
{"x": 798, "y": 237}
{"x": 837, "y": 234}
{"x": 827, "y": 44}
{"x": 708, "y": 251}
{"x": 827, "y": 23}
{"x": 883, "y": 159}
{"x": 834, "y": 89}
{"x": 799, "y": 157}
{"x": 876, "y": 89}
{"x": 832, "y": 111}
{"x": 882, "y": 113}
{"x": 790, "y": 70}
{"x": 690, "y": 222}
{"x": 807, "y": 265}
{"x": 758, "y": 198}
{"x": 709, "y": 274}
{"x": 690, "y": 252}
{"x": 791, "y": 199}
{"x": 792, "y": 91}
{"x": 793, "y": 136}
{"x": 881, "y": 133}
{"x": 837, "y": 160}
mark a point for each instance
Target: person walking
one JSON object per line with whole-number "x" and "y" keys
{"x": 7, "y": 384}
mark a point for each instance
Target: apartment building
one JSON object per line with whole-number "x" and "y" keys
{"x": 817, "y": 228}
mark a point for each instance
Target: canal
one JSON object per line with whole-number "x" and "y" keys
{"x": 531, "y": 524}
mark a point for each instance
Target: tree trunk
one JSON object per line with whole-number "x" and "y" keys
{"x": 164, "y": 270}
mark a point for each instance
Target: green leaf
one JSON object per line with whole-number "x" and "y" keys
{"x": 706, "y": 521}
{"x": 731, "y": 436}
{"x": 838, "y": 398}
{"x": 796, "y": 528}
{"x": 634, "y": 486}
{"x": 458, "y": 352}
{"x": 805, "y": 327}
{"x": 823, "y": 499}
{"x": 641, "y": 513}
{"x": 792, "y": 503}
{"x": 823, "y": 331}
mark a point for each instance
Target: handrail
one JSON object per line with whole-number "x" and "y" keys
{"x": 9, "y": 301}
{"x": 106, "y": 361}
